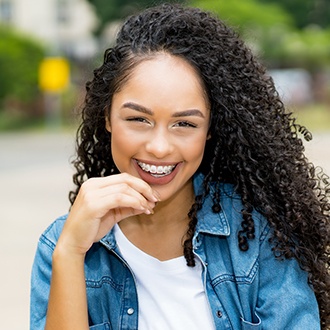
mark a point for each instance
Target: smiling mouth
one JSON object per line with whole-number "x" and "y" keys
{"x": 156, "y": 171}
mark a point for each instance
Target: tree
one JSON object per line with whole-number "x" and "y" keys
{"x": 305, "y": 12}
{"x": 247, "y": 14}
{"x": 110, "y": 10}
{"x": 19, "y": 61}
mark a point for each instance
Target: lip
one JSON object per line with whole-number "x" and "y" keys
{"x": 151, "y": 179}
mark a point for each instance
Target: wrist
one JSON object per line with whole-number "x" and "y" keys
{"x": 68, "y": 251}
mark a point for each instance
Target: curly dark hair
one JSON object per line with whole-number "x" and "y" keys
{"x": 254, "y": 142}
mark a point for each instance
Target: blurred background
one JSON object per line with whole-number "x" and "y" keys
{"x": 48, "y": 49}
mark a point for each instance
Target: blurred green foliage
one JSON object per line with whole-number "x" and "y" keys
{"x": 306, "y": 12}
{"x": 316, "y": 117}
{"x": 308, "y": 48}
{"x": 19, "y": 60}
{"x": 247, "y": 14}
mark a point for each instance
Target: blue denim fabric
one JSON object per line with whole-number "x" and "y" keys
{"x": 246, "y": 290}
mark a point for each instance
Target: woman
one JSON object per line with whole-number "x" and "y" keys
{"x": 195, "y": 207}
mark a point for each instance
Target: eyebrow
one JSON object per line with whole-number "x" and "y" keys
{"x": 141, "y": 108}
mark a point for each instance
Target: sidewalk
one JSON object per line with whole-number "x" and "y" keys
{"x": 35, "y": 178}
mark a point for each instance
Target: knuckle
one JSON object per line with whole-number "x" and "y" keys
{"x": 124, "y": 187}
{"x": 117, "y": 198}
{"x": 86, "y": 191}
{"x": 127, "y": 178}
{"x": 88, "y": 184}
{"x": 126, "y": 175}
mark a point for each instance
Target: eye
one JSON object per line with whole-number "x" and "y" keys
{"x": 137, "y": 119}
{"x": 185, "y": 124}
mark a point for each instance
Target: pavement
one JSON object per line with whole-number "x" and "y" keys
{"x": 35, "y": 178}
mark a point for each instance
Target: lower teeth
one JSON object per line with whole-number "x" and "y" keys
{"x": 158, "y": 175}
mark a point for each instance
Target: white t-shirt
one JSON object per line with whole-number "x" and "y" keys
{"x": 171, "y": 295}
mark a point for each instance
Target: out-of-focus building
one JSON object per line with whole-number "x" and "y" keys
{"x": 65, "y": 26}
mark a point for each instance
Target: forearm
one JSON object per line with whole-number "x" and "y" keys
{"x": 67, "y": 306}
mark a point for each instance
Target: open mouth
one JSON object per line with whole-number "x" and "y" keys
{"x": 156, "y": 171}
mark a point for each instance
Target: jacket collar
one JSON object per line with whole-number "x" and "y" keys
{"x": 208, "y": 222}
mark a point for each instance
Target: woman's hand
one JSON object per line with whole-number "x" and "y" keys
{"x": 100, "y": 203}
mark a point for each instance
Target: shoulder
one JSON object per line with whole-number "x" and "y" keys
{"x": 50, "y": 236}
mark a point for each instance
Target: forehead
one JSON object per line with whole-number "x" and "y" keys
{"x": 162, "y": 62}
{"x": 165, "y": 75}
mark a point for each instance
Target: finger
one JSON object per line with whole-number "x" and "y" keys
{"x": 141, "y": 186}
{"x": 94, "y": 202}
{"x": 136, "y": 183}
{"x": 124, "y": 188}
{"x": 124, "y": 200}
{"x": 91, "y": 192}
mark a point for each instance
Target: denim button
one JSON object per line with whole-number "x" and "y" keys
{"x": 130, "y": 311}
{"x": 219, "y": 314}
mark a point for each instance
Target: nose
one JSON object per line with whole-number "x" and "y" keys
{"x": 159, "y": 143}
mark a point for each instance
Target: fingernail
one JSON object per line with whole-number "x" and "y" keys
{"x": 149, "y": 211}
{"x": 156, "y": 195}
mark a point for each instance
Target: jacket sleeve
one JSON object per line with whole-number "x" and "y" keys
{"x": 42, "y": 273}
{"x": 40, "y": 283}
{"x": 285, "y": 300}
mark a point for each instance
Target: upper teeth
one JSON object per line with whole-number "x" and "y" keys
{"x": 156, "y": 169}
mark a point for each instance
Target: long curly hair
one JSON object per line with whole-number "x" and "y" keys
{"x": 254, "y": 142}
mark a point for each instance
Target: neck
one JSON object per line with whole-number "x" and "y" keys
{"x": 172, "y": 210}
{"x": 162, "y": 234}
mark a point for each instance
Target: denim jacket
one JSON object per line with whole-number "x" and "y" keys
{"x": 245, "y": 290}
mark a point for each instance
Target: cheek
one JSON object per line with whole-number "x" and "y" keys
{"x": 123, "y": 146}
{"x": 120, "y": 136}
{"x": 119, "y": 144}
{"x": 194, "y": 150}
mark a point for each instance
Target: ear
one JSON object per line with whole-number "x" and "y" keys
{"x": 107, "y": 124}
{"x": 208, "y": 136}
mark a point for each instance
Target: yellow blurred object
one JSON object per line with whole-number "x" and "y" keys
{"x": 54, "y": 74}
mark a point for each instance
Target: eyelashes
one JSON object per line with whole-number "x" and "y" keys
{"x": 185, "y": 124}
{"x": 181, "y": 123}
{"x": 137, "y": 119}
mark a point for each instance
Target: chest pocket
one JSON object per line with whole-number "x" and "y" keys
{"x": 226, "y": 263}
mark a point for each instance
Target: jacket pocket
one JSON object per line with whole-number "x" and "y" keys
{"x": 103, "y": 326}
{"x": 251, "y": 326}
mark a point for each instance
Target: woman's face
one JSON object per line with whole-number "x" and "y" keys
{"x": 159, "y": 123}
